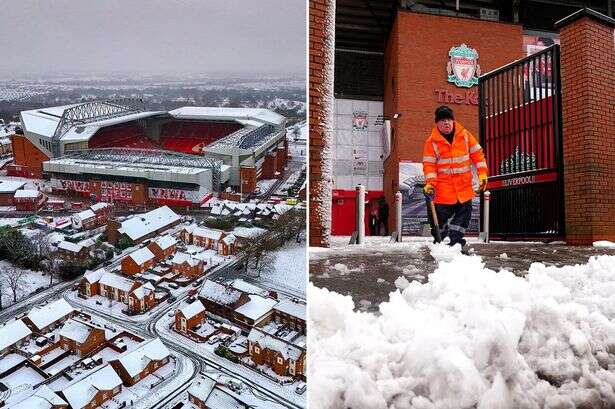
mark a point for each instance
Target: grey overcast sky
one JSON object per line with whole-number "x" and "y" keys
{"x": 41, "y": 37}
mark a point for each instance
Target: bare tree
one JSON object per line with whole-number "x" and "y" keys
{"x": 41, "y": 253}
{"x": 263, "y": 262}
{"x": 14, "y": 279}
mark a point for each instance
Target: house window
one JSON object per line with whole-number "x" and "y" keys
{"x": 257, "y": 349}
{"x": 117, "y": 389}
{"x": 280, "y": 360}
{"x": 135, "y": 378}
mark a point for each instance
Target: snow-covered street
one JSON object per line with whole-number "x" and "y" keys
{"x": 469, "y": 336}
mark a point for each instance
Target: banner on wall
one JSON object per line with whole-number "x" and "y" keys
{"x": 74, "y": 185}
{"x": 172, "y": 195}
{"x": 359, "y": 161}
{"x": 414, "y": 209}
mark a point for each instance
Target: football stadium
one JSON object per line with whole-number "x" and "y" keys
{"x": 117, "y": 150}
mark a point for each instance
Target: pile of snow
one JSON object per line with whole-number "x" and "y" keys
{"x": 470, "y": 337}
{"x": 604, "y": 244}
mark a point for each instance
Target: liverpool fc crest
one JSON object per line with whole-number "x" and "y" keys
{"x": 463, "y": 69}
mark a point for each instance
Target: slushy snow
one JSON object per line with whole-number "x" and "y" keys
{"x": 470, "y": 337}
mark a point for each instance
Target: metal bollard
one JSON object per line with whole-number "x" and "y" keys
{"x": 360, "y": 221}
{"x": 487, "y": 195}
{"x": 398, "y": 203}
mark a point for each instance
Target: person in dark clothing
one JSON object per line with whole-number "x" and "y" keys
{"x": 383, "y": 211}
{"x": 373, "y": 219}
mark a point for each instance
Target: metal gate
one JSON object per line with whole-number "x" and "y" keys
{"x": 521, "y": 134}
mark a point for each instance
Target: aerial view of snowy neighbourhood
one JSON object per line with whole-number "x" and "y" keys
{"x": 152, "y": 259}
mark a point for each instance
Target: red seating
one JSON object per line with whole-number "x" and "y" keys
{"x": 191, "y": 137}
{"x": 128, "y": 135}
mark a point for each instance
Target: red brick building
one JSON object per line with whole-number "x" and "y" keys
{"x": 138, "y": 261}
{"x": 28, "y": 200}
{"x": 291, "y": 313}
{"x": 227, "y": 245}
{"x": 186, "y": 265}
{"x": 202, "y": 236}
{"x": 81, "y": 337}
{"x": 7, "y": 191}
{"x": 188, "y": 316}
{"x": 206, "y": 393}
{"x": 141, "y": 299}
{"x": 116, "y": 287}
{"x": 283, "y": 357}
{"x": 163, "y": 247}
{"x": 93, "y": 390}
{"x": 76, "y": 252}
{"x": 97, "y": 215}
{"x": 50, "y": 316}
{"x": 136, "y": 364}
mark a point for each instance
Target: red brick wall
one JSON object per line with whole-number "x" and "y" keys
{"x": 248, "y": 179}
{"x": 588, "y": 106}
{"x": 321, "y": 55}
{"x": 415, "y": 66}
{"x": 269, "y": 166}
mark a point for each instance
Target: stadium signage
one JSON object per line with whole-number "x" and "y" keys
{"x": 468, "y": 97}
{"x": 523, "y": 180}
{"x": 74, "y": 185}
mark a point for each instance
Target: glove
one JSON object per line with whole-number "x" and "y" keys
{"x": 429, "y": 190}
{"x": 482, "y": 180}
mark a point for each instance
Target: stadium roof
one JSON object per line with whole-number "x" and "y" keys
{"x": 263, "y": 116}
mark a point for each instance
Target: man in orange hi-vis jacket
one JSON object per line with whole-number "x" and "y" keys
{"x": 449, "y": 151}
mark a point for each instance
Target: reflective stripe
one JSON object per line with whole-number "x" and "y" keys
{"x": 475, "y": 148}
{"x": 449, "y": 171}
{"x": 444, "y": 161}
{"x": 436, "y": 149}
{"x": 465, "y": 137}
{"x": 429, "y": 159}
{"x": 481, "y": 164}
{"x": 457, "y": 228}
{"x": 461, "y": 159}
{"x": 431, "y": 175}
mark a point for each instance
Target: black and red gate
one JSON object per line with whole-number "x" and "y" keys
{"x": 521, "y": 134}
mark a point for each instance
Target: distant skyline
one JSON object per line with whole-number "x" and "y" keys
{"x": 152, "y": 37}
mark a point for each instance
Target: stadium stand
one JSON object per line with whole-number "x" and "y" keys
{"x": 128, "y": 135}
{"x": 191, "y": 137}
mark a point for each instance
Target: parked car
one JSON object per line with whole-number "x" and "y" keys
{"x": 212, "y": 340}
{"x": 174, "y": 286}
{"x": 300, "y": 388}
{"x": 172, "y": 298}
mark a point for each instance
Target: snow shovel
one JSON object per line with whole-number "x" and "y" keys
{"x": 434, "y": 217}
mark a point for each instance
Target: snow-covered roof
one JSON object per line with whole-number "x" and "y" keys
{"x": 219, "y": 293}
{"x": 69, "y": 246}
{"x": 41, "y": 317}
{"x": 180, "y": 258}
{"x": 229, "y": 239}
{"x": 141, "y": 225}
{"x": 253, "y": 114}
{"x": 201, "y": 387}
{"x": 99, "y": 206}
{"x": 116, "y": 281}
{"x": 45, "y": 121}
{"x": 141, "y": 256}
{"x": 12, "y": 333}
{"x": 93, "y": 276}
{"x": 80, "y": 392}
{"x": 43, "y": 398}
{"x": 136, "y": 360}
{"x": 248, "y": 232}
{"x": 245, "y": 287}
{"x": 257, "y": 307}
{"x": 293, "y": 308}
{"x": 26, "y": 193}
{"x": 143, "y": 291}
{"x": 86, "y": 214}
{"x": 274, "y": 344}
{"x": 165, "y": 242}
{"x": 76, "y": 330}
{"x": 190, "y": 310}
{"x": 220, "y": 398}
{"x": 7, "y": 186}
{"x": 212, "y": 234}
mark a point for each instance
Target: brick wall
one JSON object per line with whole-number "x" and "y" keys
{"x": 321, "y": 56}
{"x": 588, "y": 106}
{"x": 415, "y": 66}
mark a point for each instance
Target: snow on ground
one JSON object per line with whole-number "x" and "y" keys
{"x": 470, "y": 337}
{"x": 289, "y": 271}
{"x": 30, "y": 282}
{"x": 265, "y": 184}
{"x": 604, "y": 244}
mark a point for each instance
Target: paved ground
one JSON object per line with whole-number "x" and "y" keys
{"x": 367, "y": 273}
